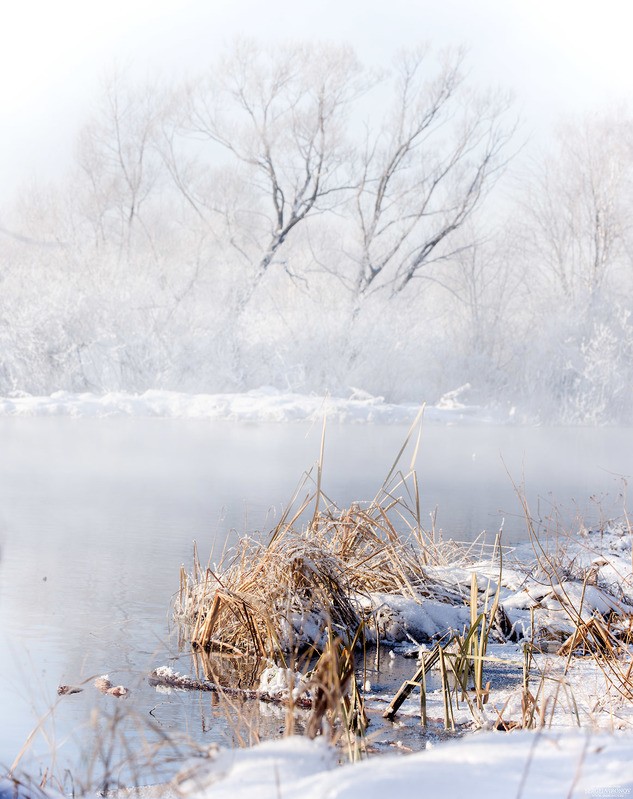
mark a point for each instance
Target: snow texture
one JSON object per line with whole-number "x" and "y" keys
{"x": 487, "y": 765}
{"x": 260, "y": 405}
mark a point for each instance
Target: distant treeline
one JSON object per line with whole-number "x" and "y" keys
{"x": 291, "y": 218}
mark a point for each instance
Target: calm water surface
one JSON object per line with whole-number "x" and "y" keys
{"x": 96, "y": 517}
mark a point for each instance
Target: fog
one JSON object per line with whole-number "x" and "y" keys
{"x": 146, "y": 241}
{"x": 559, "y": 58}
{"x": 242, "y": 228}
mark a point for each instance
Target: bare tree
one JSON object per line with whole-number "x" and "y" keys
{"x": 573, "y": 238}
{"x": 482, "y": 285}
{"x": 279, "y": 116}
{"x": 577, "y": 210}
{"x": 424, "y": 172}
{"x": 118, "y": 158}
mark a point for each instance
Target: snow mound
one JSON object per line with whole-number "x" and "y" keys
{"x": 487, "y": 765}
{"x": 260, "y": 405}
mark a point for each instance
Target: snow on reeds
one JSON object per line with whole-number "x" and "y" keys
{"x": 371, "y": 572}
{"x": 326, "y": 576}
{"x": 316, "y": 569}
{"x": 373, "y": 565}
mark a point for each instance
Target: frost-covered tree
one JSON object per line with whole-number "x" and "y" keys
{"x": 119, "y": 167}
{"x": 275, "y": 122}
{"x": 424, "y": 169}
{"x": 202, "y": 237}
{"x": 574, "y": 242}
{"x": 576, "y": 217}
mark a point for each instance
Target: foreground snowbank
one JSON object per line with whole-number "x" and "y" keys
{"x": 487, "y": 765}
{"x": 260, "y": 405}
{"x": 532, "y": 765}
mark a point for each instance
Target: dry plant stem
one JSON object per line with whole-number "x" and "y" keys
{"x": 579, "y": 766}
{"x": 470, "y": 656}
{"x": 40, "y": 724}
{"x": 596, "y": 633}
{"x": 428, "y": 662}
{"x": 449, "y": 720}
{"x": 337, "y": 699}
{"x": 251, "y": 604}
{"x": 423, "y": 715}
{"x": 319, "y": 474}
{"x": 29, "y": 739}
{"x": 416, "y": 422}
{"x": 528, "y": 764}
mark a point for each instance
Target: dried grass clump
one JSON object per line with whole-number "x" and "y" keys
{"x": 268, "y": 595}
{"x": 282, "y": 593}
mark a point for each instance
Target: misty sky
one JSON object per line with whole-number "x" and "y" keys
{"x": 559, "y": 56}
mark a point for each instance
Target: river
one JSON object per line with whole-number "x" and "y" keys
{"x": 96, "y": 517}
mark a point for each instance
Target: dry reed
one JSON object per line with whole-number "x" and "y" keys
{"x": 281, "y": 594}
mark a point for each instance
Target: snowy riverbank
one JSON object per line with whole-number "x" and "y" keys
{"x": 532, "y": 765}
{"x": 260, "y": 405}
{"x": 584, "y": 581}
{"x": 529, "y": 765}
{"x": 575, "y": 740}
{"x": 577, "y": 586}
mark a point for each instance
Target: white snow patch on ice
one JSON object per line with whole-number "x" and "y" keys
{"x": 261, "y": 405}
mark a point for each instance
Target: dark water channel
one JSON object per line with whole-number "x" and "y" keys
{"x": 96, "y": 517}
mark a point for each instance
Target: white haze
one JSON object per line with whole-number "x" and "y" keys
{"x": 145, "y": 249}
{"x": 559, "y": 57}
